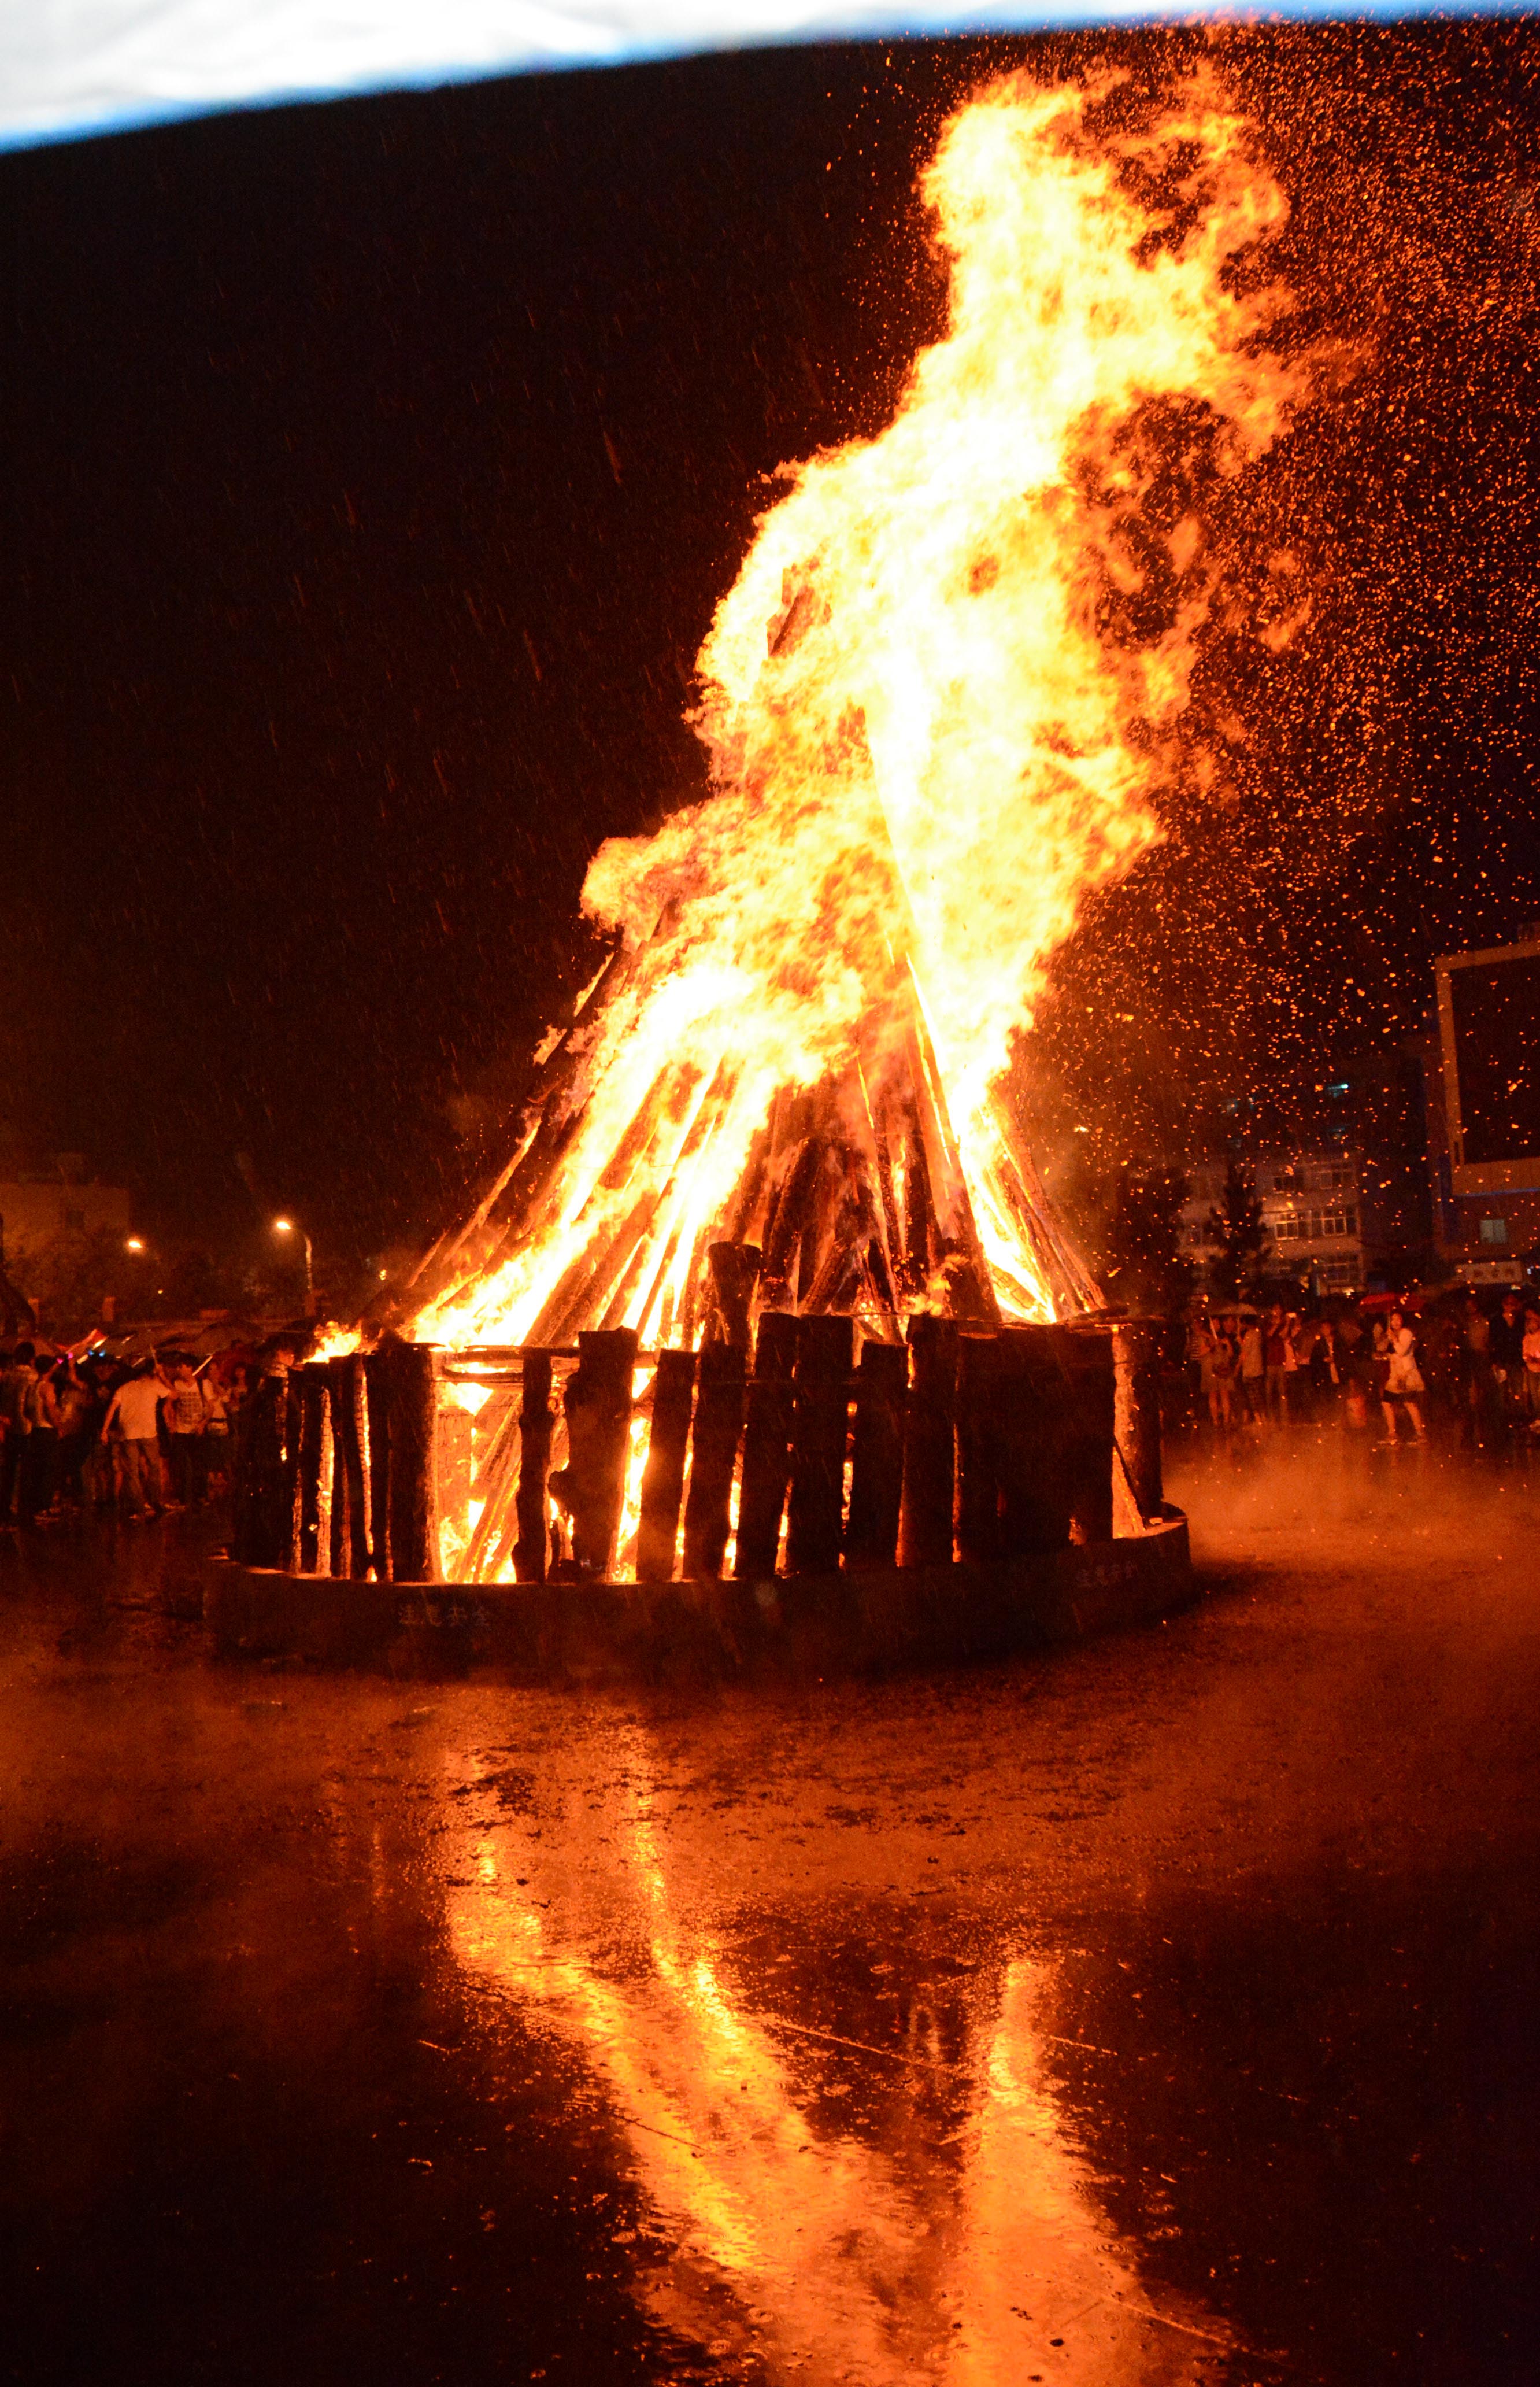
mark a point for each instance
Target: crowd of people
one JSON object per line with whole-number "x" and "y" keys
{"x": 1457, "y": 1366}
{"x": 130, "y": 1438}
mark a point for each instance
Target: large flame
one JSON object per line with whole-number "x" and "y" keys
{"x": 927, "y": 746}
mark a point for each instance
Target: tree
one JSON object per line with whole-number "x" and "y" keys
{"x": 1145, "y": 1269}
{"x": 1244, "y": 1241}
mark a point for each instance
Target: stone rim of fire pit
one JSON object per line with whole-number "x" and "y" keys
{"x": 856, "y": 1622}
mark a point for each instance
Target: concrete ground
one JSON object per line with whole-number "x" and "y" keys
{"x": 1164, "y": 2009}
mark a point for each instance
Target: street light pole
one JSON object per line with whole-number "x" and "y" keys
{"x": 287, "y": 1226}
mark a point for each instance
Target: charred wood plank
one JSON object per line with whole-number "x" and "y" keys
{"x": 1088, "y": 1442}
{"x": 929, "y": 1453}
{"x": 788, "y": 1210}
{"x": 816, "y": 1511}
{"x": 877, "y": 1455}
{"x": 311, "y": 1547}
{"x": 532, "y": 1541}
{"x": 1136, "y": 1365}
{"x": 597, "y": 1405}
{"x": 1031, "y": 1414}
{"x": 377, "y": 1394}
{"x": 978, "y": 1477}
{"x": 713, "y": 1452}
{"x": 735, "y": 1271}
{"x": 767, "y": 1446}
{"x": 263, "y": 1534}
{"x": 413, "y": 1462}
{"x": 349, "y": 1517}
{"x": 664, "y": 1478}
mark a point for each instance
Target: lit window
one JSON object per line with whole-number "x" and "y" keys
{"x": 1494, "y": 1230}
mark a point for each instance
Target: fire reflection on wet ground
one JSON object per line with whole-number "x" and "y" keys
{"x": 1162, "y": 2011}
{"x": 900, "y": 2206}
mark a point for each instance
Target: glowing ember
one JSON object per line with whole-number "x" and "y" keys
{"x": 925, "y": 750}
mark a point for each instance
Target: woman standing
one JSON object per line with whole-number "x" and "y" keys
{"x": 1402, "y": 1377}
{"x": 1323, "y": 1370}
{"x": 1219, "y": 1376}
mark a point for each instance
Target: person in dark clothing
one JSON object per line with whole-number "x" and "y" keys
{"x": 16, "y": 1379}
{"x": 1508, "y": 1362}
{"x": 39, "y": 1450}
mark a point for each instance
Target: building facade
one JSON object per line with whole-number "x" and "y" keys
{"x": 1312, "y": 1210}
{"x": 1483, "y": 1112}
{"x": 59, "y": 1230}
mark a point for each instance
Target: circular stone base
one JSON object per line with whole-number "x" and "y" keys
{"x": 794, "y": 1626}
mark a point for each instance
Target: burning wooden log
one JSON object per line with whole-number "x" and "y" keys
{"x": 713, "y": 1452}
{"x": 877, "y": 1455}
{"x": 413, "y": 1413}
{"x": 597, "y": 1405}
{"x": 311, "y": 1525}
{"x": 531, "y": 1511}
{"x": 767, "y": 1446}
{"x": 349, "y": 1552}
{"x": 735, "y": 1271}
{"x": 929, "y": 1460}
{"x": 1136, "y": 1364}
{"x": 816, "y": 1511}
{"x": 664, "y": 1478}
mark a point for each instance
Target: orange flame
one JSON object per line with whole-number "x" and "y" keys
{"x": 925, "y": 750}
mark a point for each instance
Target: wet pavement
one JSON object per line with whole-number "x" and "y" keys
{"x": 1160, "y": 2010}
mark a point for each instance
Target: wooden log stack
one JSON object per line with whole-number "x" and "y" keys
{"x": 778, "y": 1446}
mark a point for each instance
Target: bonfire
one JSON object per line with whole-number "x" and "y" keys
{"x": 767, "y": 1237}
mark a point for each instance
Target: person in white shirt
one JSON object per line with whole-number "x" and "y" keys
{"x": 1403, "y": 1384}
{"x": 134, "y": 1410}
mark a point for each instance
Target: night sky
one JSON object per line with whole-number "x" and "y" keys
{"x": 373, "y": 470}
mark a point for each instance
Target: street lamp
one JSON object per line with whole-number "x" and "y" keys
{"x": 287, "y": 1226}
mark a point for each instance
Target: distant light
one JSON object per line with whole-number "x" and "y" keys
{"x": 1345, "y": 1088}
{"x": 134, "y": 1245}
{"x": 382, "y": 1276}
{"x": 283, "y": 1226}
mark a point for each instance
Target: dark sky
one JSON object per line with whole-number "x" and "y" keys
{"x": 371, "y": 472}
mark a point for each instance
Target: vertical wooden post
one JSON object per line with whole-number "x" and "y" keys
{"x": 349, "y": 1518}
{"x": 414, "y": 1458}
{"x": 294, "y": 1436}
{"x": 533, "y": 1540}
{"x": 1029, "y": 1440}
{"x": 713, "y": 1449}
{"x": 815, "y": 1514}
{"x": 929, "y": 1457}
{"x": 766, "y": 1447}
{"x": 664, "y": 1478}
{"x": 597, "y": 1405}
{"x": 877, "y": 1455}
{"x": 1136, "y": 1364}
{"x": 376, "y": 1381}
{"x": 264, "y": 1482}
{"x": 977, "y": 1478}
{"x": 1088, "y": 1451}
